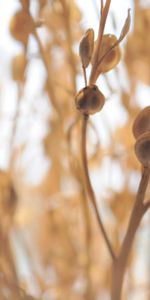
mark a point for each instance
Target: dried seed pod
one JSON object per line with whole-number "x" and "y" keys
{"x": 142, "y": 122}
{"x": 86, "y": 47}
{"x": 142, "y": 149}
{"x": 90, "y": 100}
{"x": 107, "y": 60}
{"x": 19, "y": 63}
{"x": 21, "y": 25}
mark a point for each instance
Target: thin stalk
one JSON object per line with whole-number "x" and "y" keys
{"x": 102, "y": 5}
{"x": 89, "y": 292}
{"x": 137, "y": 214}
{"x": 85, "y": 76}
{"x": 67, "y": 27}
{"x": 15, "y": 125}
{"x": 104, "y": 13}
{"x": 45, "y": 59}
{"x": 88, "y": 236}
{"x": 89, "y": 188}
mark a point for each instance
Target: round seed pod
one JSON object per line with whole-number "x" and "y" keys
{"x": 113, "y": 57}
{"x": 89, "y": 100}
{"x": 142, "y": 122}
{"x": 21, "y": 25}
{"x": 142, "y": 149}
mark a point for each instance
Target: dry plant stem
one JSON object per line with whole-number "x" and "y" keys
{"x": 85, "y": 77}
{"x": 139, "y": 209}
{"x": 49, "y": 75}
{"x": 6, "y": 256}
{"x": 86, "y": 217}
{"x": 102, "y": 5}
{"x": 88, "y": 236}
{"x": 104, "y": 13}
{"x": 67, "y": 26}
{"x": 15, "y": 124}
{"x": 89, "y": 188}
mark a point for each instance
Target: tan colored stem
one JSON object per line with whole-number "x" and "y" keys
{"x": 85, "y": 77}
{"x": 139, "y": 209}
{"x": 50, "y": 90}
{"x": 67, "y": 27}
{"x": 88, "y": 236}
{"x": 104, "y": 13}
{"x": 102, "y": 5}
{"x": 89, "y": 188}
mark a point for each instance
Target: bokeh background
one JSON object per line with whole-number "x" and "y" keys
{"x": 51, "y": 246}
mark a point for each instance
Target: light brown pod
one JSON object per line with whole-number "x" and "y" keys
{"x": 89, "y": 100}
{"x": 110, "y": 60}
{"x": 86, "y": 47}
{"x": 142, "y": 149}
{"x": 142, "y": 122}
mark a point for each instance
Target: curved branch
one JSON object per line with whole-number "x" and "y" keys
{"x": 104, "y": 13}
{"x": 137, "y": 214}
{"x": 50, "y": 90}
{"x": 89, "y": 188}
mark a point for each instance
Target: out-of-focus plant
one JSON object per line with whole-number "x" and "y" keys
{"x": 51, "y": 231}
{"x": 90, "y": 100}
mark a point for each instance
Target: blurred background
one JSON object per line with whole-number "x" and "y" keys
{"x": 51, "y": 245}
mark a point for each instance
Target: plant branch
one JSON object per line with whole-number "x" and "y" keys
{"x": 89, "y": 188}
{"x": 45, "y": 59}
{"x": 102, "y": 5}
{"x": 67, "y": 27}
{"x": 84, "y": 73}
{"x": 104, "y": 13}
{"x": 88, "y": 240}
{"x": 137, "y": 214}
{"x": 86, "y": 215}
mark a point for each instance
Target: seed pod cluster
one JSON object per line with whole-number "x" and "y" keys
{"x": 89, "y": 100}
{"x": 141, "y": 131}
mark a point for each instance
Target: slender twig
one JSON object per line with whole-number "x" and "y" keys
{"x": 67, "y": 27}
{"x": 88, "y": 237}
{"x": 102, "y": 5}
{"x": 86, "y": 213}
{"x": 15, "y": 124}
{"x": 102, "y": 23}
{"x": 135, "y": 218}
{"x": 49, "y": 75}
{"x": 137, "y": 214}
{"x": 89, "y": 188}
{"x": 85, "y": 77}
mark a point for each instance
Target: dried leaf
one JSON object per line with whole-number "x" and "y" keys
{"x": 108, "y": 52}
{"x": 126, "y": 27}
{"x": 86, "y": 47}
